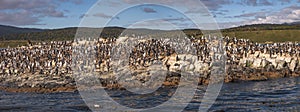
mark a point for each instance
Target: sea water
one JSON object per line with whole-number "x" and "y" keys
{"x": 272, "y": 95}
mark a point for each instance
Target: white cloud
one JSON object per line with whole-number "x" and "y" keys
{"x": 286, "y": 15}
{"x": 29, "y": 12}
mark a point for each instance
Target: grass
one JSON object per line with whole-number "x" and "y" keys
{"x": 12, "y": 43}
{"x": 267, "y": 35}
{"x": 260, "y": 36}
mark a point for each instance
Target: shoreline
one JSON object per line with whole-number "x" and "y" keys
{"x": 38, "y": 90}
{"x": 264, "y": 76}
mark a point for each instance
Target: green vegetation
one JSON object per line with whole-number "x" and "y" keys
{"x": 267, "y": 35}
{"x": 257, "y": 27}
{"x": 12, "y": 43}
{"x": 257, "y": 33}
{"x": 4, "y": 30}
{"x": 48, "y": 35}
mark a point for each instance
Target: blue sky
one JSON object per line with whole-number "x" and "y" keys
{"x": 51, "y": 14}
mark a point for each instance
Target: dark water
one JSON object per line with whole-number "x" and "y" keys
{"x": 273, "y": 95}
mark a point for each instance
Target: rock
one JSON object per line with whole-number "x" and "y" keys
{"x": 287, "y": 59}
{"x": 188, "y": 57}
{"x": 281, "y": 64}
{"x": 184, "y": 65}
{"x": 180, "y": 57}
{"x": 269, "y": 68}
{"x": 264, "y": 63}
{"x": 273, "y": 62}
{"x": 280, "y": 58}
{"x": 256, "y": 54}
{"x": 293, "y": 65}
{"x": 51, "y": 85}
{"x": 264, "y": 55}
{"x": 242, "y": 62}
{"x": 175, "y": 67}
{"x": 201, "y": 67}
{"x": 273, "y": 75}
{"x": 173, "y": 59}
{"x": 274, "y": 56}
{"x": 257, "y": 63}
{"x": 191, "y": 68}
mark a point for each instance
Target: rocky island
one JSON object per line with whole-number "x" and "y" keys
{"x": 47, "y": 66}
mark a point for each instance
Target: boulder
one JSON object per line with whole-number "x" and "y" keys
{"x": 293, "y": 65}
{"x": 274, "y": 56}
{"x": 263, "y": 55}
{"x": 175, "y": 67}
{"x": 280, "y": 58}
{"x": 287, "y": 59}
{"x": 188, "y": 57}
{"x": 242, "y": 62}
{"x": 257, "y": 63}
{"x": 269, "y": 68}
{"x": 273, "y": 62}
{"x": 201, "y": 67}
{"x": 256, "y": 54}
{"x": 264, "y": 63}
{"x": 191, "y": 68}
{"x": 281, "y": 64}
{"x": 298, "y": 61}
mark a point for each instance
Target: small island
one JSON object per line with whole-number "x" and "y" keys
{"x": 46, "y": 67}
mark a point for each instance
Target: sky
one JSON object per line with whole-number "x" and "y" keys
{"x": 52, "y": 14}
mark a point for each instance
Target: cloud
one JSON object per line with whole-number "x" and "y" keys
{"x": 285, "y": 1}
{"x": 30, "y": 12}
{"x": 253, "y": 14}
{"x": 18, "y": 18}
{"x": 220, "y": 13}
{"x": 22, "y": 4}
{"x": 102, "y": 15}
{"x": 157, "y": 24}
{"x": 230, "y": 24}
{"x": 192, "y": 4}
{"x": 285, "y": 15}
{"x": 257, "y": 2}
{"x": 181, "y": 19}
{"x": 50, "y": 11}
{"x": 212, "y": 5}
{"x": 215, "y": 4}
{"x": 149, "y": 10}
{"x": 73, "y": 1}
{"x": 266, "y": 2}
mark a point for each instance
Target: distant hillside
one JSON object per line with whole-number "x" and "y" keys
{"x": 69, "y": 33}
{"x": 266, "y": 32}
{"x": 257, "y": 33}
{"x": 5, "y": 30}
{"x": 256, "y": 27}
